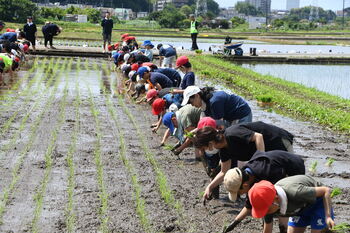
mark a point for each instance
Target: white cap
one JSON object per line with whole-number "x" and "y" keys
{"x": 232, "y": 182}
{"x": 147, "y": 87}
{"x": 14, "y": 52}
{"x": 131, "y": 73}
{"x": 126, "y": 57}
{"x": 189, "y": 91}
{"x": 21, "y": 46}
{"x": 173, "y": 108}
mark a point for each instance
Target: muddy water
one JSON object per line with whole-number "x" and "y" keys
{"x": 186, "y": 177}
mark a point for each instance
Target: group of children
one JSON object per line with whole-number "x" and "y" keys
{"x": 13, "y": 47}
{"x": 252, "y": 158}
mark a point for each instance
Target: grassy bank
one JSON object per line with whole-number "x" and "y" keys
{"x": 288, "y": 98}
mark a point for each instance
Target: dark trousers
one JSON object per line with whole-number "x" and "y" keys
{"x": 48, "y": 38}
{"x": 194, "y": 41}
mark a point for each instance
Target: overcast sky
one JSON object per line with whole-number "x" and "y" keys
{"x": 281, "y": 4}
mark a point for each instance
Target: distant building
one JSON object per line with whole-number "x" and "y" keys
{"x": 76, "y": 18}
{"x": 124, "y": 13}
{"x": 104, "y": 10}
{"x": 263, "y": 5}
{"x": 255, "y": 22}
{"x": 229, "y": 13}
{"x": 141, "y": 14}
{"x": 293, "y": 4}
{"x": 160, "y": 4}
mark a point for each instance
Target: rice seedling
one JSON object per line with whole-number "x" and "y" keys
{"x": 330, "y": 162}
{"x": 40, "y": 193}
{"x": 313, "y": 167}
{"x": 140, "y": 202}
{"x": 335, "y": 192}
{"x": 8, "y": 190}
{"x": 341, "y": 228}
{"x": 103, "y": 195}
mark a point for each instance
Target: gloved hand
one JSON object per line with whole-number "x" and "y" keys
{"x": 231, "y": 226}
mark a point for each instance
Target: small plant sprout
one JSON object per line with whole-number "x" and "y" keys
{"x": 335, "y": 192}
{"x": 168, "y": 147}
{"x": 313, "y": 167}
{"x": 330, "y": 162}
{"x": 341, "y": 228}
{"x": 189, "y": 134}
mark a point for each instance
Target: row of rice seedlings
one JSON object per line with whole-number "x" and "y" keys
{"x": 29, "y": 113}
{"x": 86, "y": 65}
{"x": 140, "y": 202}
{"x": 28, "y": 95}
{"x": 40, "y": 193}
{"x": 69, "y": 211}
{"x": 9, "y": 99}
{"x": 7, "y": 191}
{"x": 165, "y": 192}
{"x": 103, "y": 195}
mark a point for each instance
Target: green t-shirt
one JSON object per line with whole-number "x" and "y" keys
{"x": 8, "y": 61}
{"x": 189, "y": 116}
{"x": 300, "y": 191}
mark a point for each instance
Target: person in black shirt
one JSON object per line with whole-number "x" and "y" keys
{"x": 271, "y": 166}
{"x": 240, "y": 142}
{"x": 30, "y": 31}
{"x": 50, "y": 30}
{"x": 107, "y": 26}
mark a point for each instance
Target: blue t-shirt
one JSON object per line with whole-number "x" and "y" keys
{"x": 188, "y": 80}
{"x": 173, "y": 99}
{"x": 10, "y": 36}
{"x": 167, "y": 51}
{"x": 172, "y": 74}
{"x": 163, "y": 80}
{"x": 227, "y": 106}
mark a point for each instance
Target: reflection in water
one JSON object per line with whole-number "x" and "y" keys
{"x": 333, "y": 79}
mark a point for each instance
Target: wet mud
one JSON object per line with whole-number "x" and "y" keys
{"x": 186, "y": 177}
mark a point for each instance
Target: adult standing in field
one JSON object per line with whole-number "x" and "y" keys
{"x": 30, "y": 31}
{"x": 107, "y": 26}
{"x": 194, "y": 32}
{"x": 49, "y": 31}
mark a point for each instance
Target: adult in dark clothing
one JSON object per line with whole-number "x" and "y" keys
{"x": 30, "y": 31}
{"x": 50, "y": 30}
{"x": 171, "y": 74}
{"x": 240, "y": 142}
{"x": 271, "y": 166}
{"x": 194, "y": 32}
{"x": 107, "y": 26}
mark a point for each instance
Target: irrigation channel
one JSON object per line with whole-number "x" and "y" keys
{"x": 77, "y": 156}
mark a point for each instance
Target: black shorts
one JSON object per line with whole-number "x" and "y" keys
{"x": 107, "y": 38}
{"x": 31, "y": 40}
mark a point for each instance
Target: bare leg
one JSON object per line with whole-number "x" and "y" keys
{"x": 296, "y": 229}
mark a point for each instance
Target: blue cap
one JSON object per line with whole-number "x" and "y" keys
{"x": 168, "y": 122}
{"x": 115, "y": 57}
{"x": 147, "y": 42}
{"x": 142, "y": 70}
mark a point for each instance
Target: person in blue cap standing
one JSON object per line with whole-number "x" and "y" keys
{"x": 148, "y": 49}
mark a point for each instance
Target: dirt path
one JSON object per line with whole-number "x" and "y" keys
{"x": 72, "y": 199}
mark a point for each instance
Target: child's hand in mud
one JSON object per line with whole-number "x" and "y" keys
{"x": 206, "y": 195}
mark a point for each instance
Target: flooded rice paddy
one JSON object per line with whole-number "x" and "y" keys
{"x": 332, "y": 79}
{"x": 76, "y": 156}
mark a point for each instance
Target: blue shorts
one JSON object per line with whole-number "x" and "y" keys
{"x": 313, "y": 215}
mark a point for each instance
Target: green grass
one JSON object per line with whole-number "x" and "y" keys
{"x": 289, "y": 98}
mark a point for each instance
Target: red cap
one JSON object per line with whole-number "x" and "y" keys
{"x": 16, "y": 59}
{"x": 129, "y": 38}
{"x": 150, "y": 94}
{"x": 149, "y": 64}
{"x": 10, "y": 30}
{"x": 261, "y": 196}
{"x": 25, "y": 48}
{"x": 124, "y": 35}
{"x": 206, "y": 121}
{"x": 158, "y": 106}
{"x": 135, "y": 66}
{"x": 116, "y": 45}
{"x": 110, "y": 47}
{"x": 181, "y": 61}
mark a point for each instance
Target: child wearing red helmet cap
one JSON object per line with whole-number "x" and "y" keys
{"x": 183, "y": 64}
{"x": 303, "y": 198}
